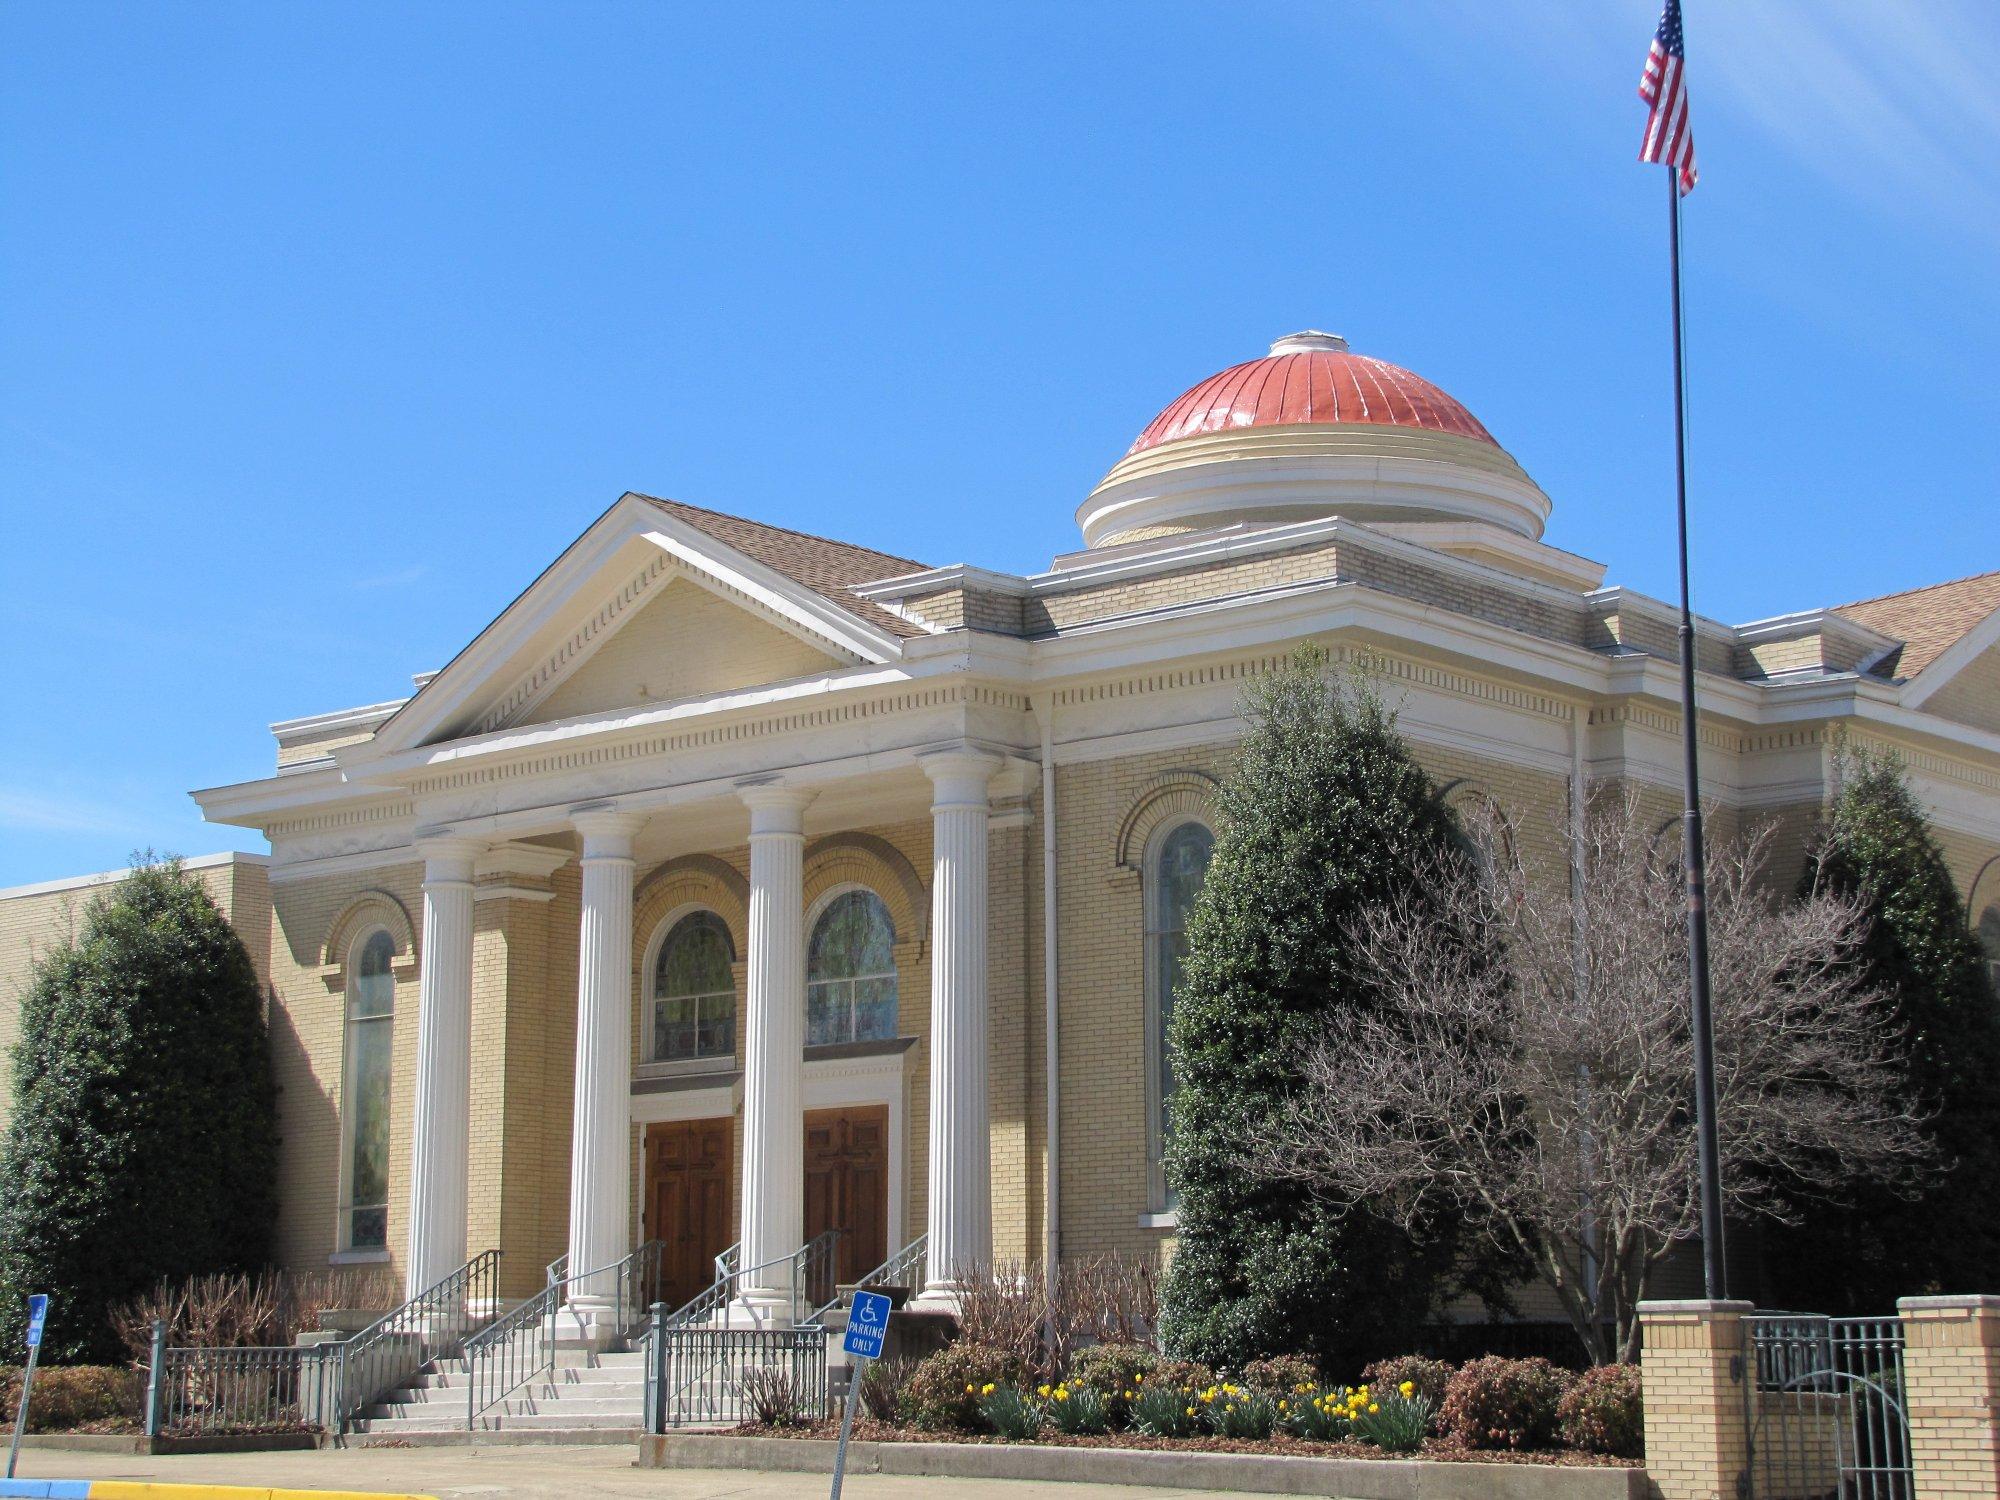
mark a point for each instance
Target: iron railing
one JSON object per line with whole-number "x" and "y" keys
{"x": 1825, "y": 1408}
{"x": 907, "y": 1267}
{"x": 707, "y": 1376}
{"x": 431, "y": 1325}
{"x": 675, "y": 1366}
{"x": 517, "y": 1346}
{"x": 279, "y": 1388}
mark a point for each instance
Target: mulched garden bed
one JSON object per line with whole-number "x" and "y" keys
{"x": 866, "y": 1429}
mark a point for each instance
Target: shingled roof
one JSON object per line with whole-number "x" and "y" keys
{"x": 1928, "y": 621}
{"x": 829, "y": 568}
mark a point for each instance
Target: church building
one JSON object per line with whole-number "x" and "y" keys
{"x": 736, "y": 885}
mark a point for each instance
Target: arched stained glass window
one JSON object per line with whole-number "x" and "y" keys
{"x": 851, "y": 971}
{"x": 1173, "y": 879}
{"x": 694, "y": 991}
{"x": 371, "y": 1009}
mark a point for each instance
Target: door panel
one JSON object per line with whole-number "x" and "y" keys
{"x": 847, "y": 1185}
{"x": 687, "y": 1203}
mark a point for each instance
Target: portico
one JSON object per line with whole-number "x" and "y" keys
{"x": 632, "y": 1073}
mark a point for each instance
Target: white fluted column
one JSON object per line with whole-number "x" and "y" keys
{"x": 440, "y": 1128}
{"x": 774, "y": 1038}
{"x": 600, "y": 1153}
{"x": 961, "y": 1200}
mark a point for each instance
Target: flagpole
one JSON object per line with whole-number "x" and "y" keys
{"x": 1715, "y": 1278}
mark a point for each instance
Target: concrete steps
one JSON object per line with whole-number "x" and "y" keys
{"x": 589, "y": 1397}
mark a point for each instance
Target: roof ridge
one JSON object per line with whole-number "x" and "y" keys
{"x": 811, "y": 536}
{"x": 1922, "y": 588}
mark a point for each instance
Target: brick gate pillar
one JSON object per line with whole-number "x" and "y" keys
{"x": 1951, "y": 1373}
{"x": 1693, "y": 1364}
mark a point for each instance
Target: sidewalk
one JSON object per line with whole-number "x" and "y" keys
{"x": 532, "y": 1473}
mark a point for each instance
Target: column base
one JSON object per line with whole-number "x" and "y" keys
{"x": 758, "y": 1307}
{"x": 937, "y": 1297}
{"x": 587, "y": 1323}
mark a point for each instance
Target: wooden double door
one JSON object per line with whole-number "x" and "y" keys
{"x": 690, "y": 1168}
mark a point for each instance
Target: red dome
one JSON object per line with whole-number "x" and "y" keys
{"x": 1310, "y": 377}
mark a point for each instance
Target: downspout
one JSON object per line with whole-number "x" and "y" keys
{"x": 1051, "y": 1058}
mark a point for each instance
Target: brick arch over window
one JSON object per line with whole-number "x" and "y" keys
{"x": 691, "y": 880}
{"x": 1168, "y": 797}
{"x": 1984, "y": 891}
{"x": 372, "y": 908}
{"x": 869, "y": 860}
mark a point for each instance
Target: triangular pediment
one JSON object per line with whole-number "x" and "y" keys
{"x": 643, "y": 609}
{"x": 1970, "y": 695}
{"x": 684, "y": 641}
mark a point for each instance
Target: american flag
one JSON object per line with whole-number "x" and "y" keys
{"x": 1669, "y": 138}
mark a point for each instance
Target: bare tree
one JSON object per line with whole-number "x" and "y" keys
{"x": 1527, "y": 1061}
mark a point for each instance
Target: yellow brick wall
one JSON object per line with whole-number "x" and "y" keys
{"x": 1951, "y": 1369}
{"x": 1696, "y": 1432}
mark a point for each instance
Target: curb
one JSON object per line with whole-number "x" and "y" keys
{"x": 125, "y": 1489}
{"x": 1267, "y": 1474}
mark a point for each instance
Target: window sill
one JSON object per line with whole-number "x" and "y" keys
{"x": 358, "y": 1258}
{"x": 1166, "y": 1219}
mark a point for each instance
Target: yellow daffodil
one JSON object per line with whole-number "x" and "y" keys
{"x": 1408, "y": 1388}
{"x": 968, "y": 1388}
{"x": 986, "y": 1389}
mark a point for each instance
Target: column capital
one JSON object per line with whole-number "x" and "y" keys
{"x": 774, "y": 807}
{"x": 959, "y": 774}
{"x": 607, "y": 831}
{"x": 448, "y": 856}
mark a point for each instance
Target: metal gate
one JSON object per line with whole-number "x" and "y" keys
{"x": 1825, "y": 1410}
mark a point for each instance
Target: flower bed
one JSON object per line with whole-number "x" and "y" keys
{"x": 1436, "y": 1450}
{"x": 1127, "y": 1396}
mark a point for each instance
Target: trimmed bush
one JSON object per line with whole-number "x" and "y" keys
{"x": 1429, "y": 1376}
{"x": 142, "y": 1144}
{"x": 1113, "y": 1368}
{"x": 943, "y": 1393}
{"x": 1183, "y": 1375}
{"x": 1603, "y": 1412}
{"x": 1282, "y": 1373}
{"x": 1326, "y": 814}
{"x": 1503, "y": 1403}
{"x": 1857, "y": 1256}
{"x": 67, "y": 1397}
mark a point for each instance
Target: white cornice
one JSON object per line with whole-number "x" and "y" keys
{"x": 366, "y": 717}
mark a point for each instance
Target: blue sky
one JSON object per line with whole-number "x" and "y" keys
{"x": 326, "y": 327}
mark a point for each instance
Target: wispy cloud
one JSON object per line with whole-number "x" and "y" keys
{"x": 1886, "y": 101}
{"x": 42, "y": 813}
{"x": 400, "y": 579}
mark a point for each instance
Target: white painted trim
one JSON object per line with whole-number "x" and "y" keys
{"x": 283, "y": 872}
{"x": 1160, "y": 1219}
{"x": 112, "y": 877}
{"x": 365, "y": 717}
{"x": 1953, "y": 660}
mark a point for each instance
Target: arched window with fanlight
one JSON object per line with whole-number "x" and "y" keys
{"x": 694, "y": 991}
{"x": 1176, "y": 865}
{"x": 370, "y": 1023}
{"x": 851, "y": 971}
{"x": 1989, "y": 939}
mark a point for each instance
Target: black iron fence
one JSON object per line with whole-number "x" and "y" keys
{"x": 719, "y": 1377}
{"x": 281, "y": 1388}
{"x": 1826, "y": 1408}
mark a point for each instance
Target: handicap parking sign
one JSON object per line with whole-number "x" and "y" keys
{"x": 867, "y": 1322}
{"x": 38, "y": 1313}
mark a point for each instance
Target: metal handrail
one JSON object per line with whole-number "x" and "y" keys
{"x": 914, "y": 1256}
{"x": 811, "y": 1262}
{"x": 516, "y": 1347}
{"x": 438, "y": 1320}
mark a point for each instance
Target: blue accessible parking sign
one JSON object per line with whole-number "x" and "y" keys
{"x": 38, "y": 1313}
{"x": 867, "y": 1322}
